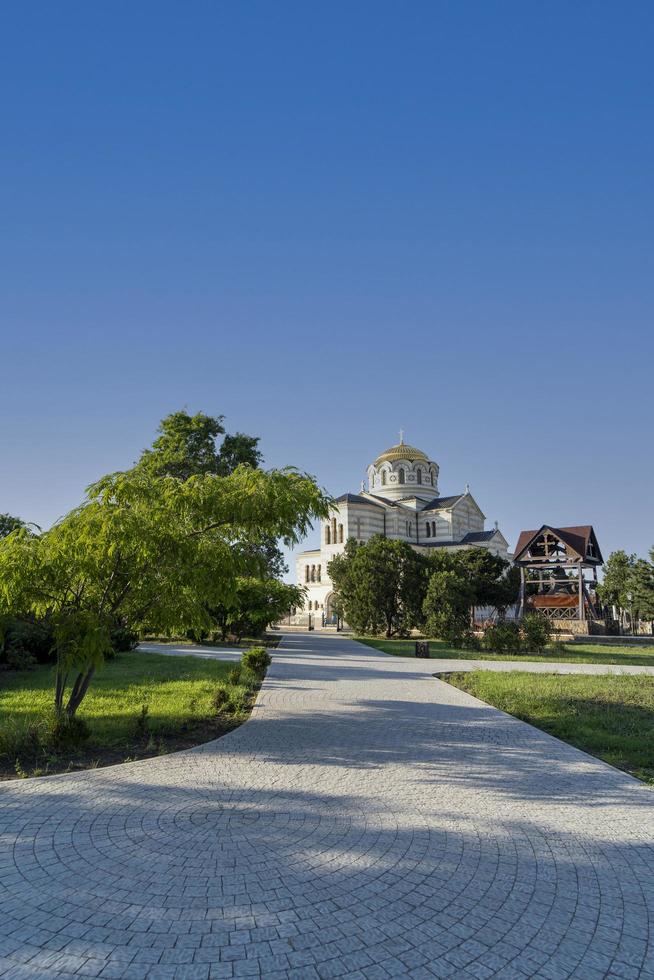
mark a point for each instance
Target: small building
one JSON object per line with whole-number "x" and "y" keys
{"x": 558, "y": 576}
{"x": 402, "y": 501}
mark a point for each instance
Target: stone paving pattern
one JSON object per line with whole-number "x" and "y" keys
{"x": 368, "y": 822}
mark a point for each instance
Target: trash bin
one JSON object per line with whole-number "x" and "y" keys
{"x": 422, "y": 649}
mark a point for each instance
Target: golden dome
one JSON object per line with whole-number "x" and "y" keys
{"x": 401, "y": 451}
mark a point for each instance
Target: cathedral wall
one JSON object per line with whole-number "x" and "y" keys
{"x": 465, "y": 518}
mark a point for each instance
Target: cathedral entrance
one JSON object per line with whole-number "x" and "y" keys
{"x": 331, "y": 619}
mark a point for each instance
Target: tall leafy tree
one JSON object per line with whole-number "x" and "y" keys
{"x": 617, "y": 581}
{"x": 379, "y": 585}
{"x": 148, "y": 552}
{"x": 254, "y": 605}
{"x": 189, "y": 445}
{"x": 446, "y": 607}
{"x": 642, "y": 587}
{"x": 9, "y": 524}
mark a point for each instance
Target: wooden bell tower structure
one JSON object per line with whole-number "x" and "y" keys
{"x": 553, "y": 563}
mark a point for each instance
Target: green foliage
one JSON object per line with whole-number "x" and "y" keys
{"x": 629, "y": 584}
{"x": 256, "y": 660}
{"x": 68, "y": 731}
{"x": 642, "y": 585}
{"x": 446, "y": 606}
{"x": 536, "y": 631}
{"x": 187, "y": 446}
{"x": 9, "y": 524}
{"x": 253, "y": 605}
{"x": 616, "y": 583}
{"x": 379, "y": 585}
{"x": 503, "y": 637}
{"x": 492, "y": 581}
{"x": 25, "y": 641}
{"x": 149, "y": 552}
{"x": 123, "y": 640}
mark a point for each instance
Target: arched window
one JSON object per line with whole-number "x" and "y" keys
{"x": 383, "y": 478}
{"x": 340, "y": 533}
{"x": 400, "y": 474}
{"x": 333, "y": 530}
{"x": 319, "y": 572}
{"x": 313, "y": 573}
{"x": 427, "y": 529}
{"x": 433, "y": 529}
{"x": 328, "y": 537}
{"x": 431, "y": 477}
{"x": 419, "y": 475}
{"x": 307, "y": 573}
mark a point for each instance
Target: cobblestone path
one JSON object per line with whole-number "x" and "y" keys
{"x": 368, "y": 822}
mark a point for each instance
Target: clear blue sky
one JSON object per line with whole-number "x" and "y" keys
{"x": 327, "y": 221}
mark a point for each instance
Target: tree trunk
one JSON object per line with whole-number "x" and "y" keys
{"x": 60, "y": 687}
{"x": 79, "y": 691}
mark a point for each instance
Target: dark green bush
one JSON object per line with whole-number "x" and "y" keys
{"x": 123, "y": 640}
{"x": 536, "y": 632}
{"x": 221, "y": 699}
{"x": 69, "y": 731}
{"x": 503, "y": 637}
{"x": 256, "y": 661}
{"x": 26, "y": 641}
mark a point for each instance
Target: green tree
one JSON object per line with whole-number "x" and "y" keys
{"x": 148, "y": 552}
{"x": 9, "y": 524}
{"x": 254, "y": 605}
{"x": 617, "y": 581}
{"x": 379, "y": 585}
{"x": 492, "y": 581}
{"x": 187, "y": 445}
{"x": 641, "y": 584}
{"x": 447, "y": 604}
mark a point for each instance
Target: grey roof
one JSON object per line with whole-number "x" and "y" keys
{"x": 355, "y": 498}
{"x": 478, "y": 536}
{"x": 438, "y": 503}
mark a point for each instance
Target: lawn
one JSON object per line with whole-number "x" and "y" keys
{"x": 178, "y": 693}
{"x": 574, "y": 653}
{"x": 608, "y": 717}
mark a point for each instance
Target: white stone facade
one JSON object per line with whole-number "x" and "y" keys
{"x": 402, "y": 502}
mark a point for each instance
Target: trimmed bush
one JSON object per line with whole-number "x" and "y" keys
{"x": 536, "y": 633}
{"x": 256, "y": 661}
{"x": 503, "y": 637}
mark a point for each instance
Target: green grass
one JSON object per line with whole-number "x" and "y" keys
{"x": 178, "y": 692}
{"x": 608, "y": 717}
{"x": 574, "y": 653}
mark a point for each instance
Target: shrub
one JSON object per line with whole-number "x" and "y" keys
{"x": 25, "y": 641}
{"x": 536, "y": 633}
{"x": 469, "y": 641}
{"x": 503, "y": 637}
{"x": 142, "y": 726}
{"x": 123, "y": 640}
{"x": 221, "y": 699}
{"x": 69, "y": 731}
{"x": 234, "y": 675}
{"x": 256, "y": 661}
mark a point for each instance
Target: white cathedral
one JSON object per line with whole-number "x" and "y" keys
{"x": 402, "y": 502}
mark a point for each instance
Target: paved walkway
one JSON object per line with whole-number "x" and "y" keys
{"x": 369, "y": 822}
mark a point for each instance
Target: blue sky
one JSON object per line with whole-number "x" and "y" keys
{"x": 328, "y": 221}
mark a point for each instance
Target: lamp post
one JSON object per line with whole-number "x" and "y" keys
{"x": 630, "y": 600}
